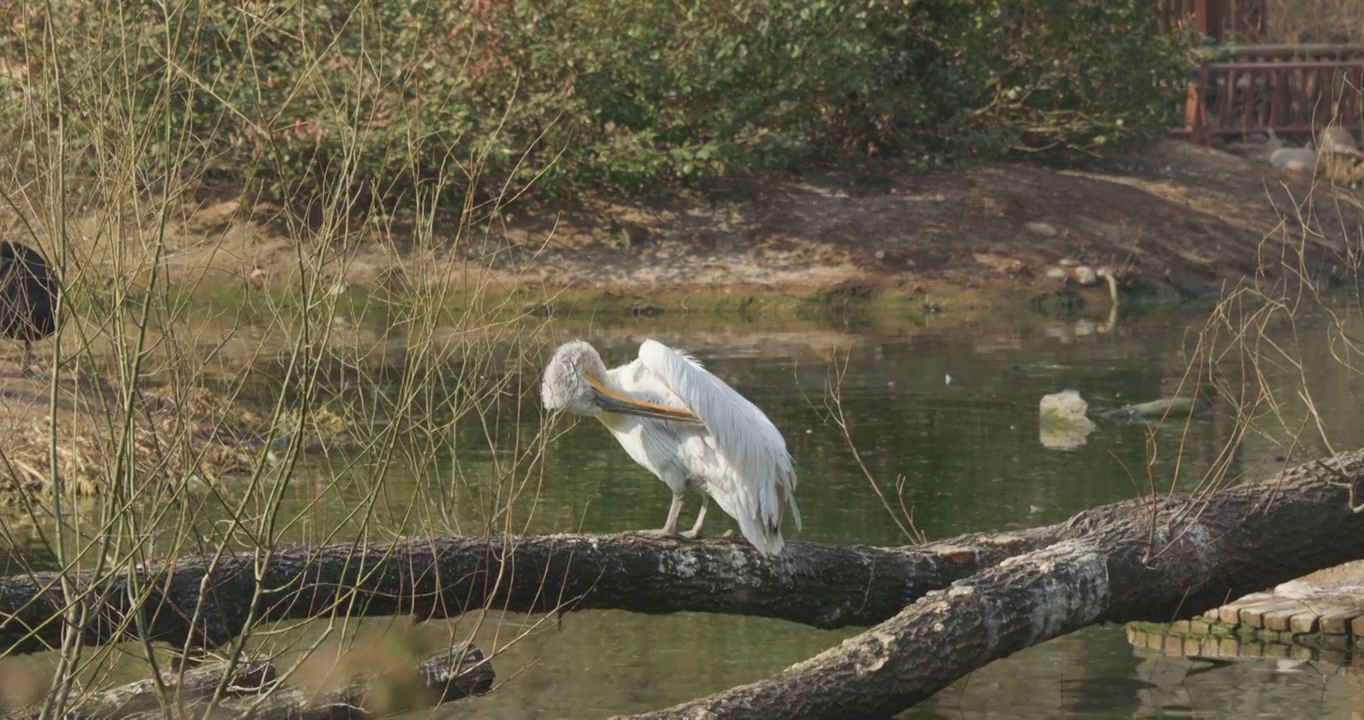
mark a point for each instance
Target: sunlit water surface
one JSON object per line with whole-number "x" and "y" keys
{"x": 947, "y": 423}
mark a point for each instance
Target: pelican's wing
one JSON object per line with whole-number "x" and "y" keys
{"x": 742, "y": 433}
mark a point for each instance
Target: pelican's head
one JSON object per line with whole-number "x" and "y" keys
{"x": 570, "y": 378}
{"x": 576, "y": 381}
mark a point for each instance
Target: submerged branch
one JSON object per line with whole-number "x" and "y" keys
{"x": 448, "y": 675}
{"x": 1147, "y": 559}
{"x": 197, "y": 685}
{"x": 255, "y": 691}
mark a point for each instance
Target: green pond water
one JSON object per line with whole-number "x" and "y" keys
{"x": 947, "y": 421}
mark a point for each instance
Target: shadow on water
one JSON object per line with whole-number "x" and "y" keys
{"x": 952, "y": 414}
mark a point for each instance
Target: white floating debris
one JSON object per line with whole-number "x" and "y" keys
{"x": 1062, "y": 420}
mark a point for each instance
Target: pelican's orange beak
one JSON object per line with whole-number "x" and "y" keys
{"x": 612, "y": 401}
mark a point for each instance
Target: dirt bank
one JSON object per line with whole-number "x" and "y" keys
{"x": 1175, "y": 218}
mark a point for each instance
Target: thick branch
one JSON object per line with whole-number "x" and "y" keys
{"x": 1145, "y": 559}
{"x": 820, "y": 585}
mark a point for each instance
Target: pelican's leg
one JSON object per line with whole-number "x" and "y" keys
{"x": 695, "y": 531}
{"x": 670, "y": 528}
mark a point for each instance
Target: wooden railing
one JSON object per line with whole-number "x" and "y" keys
{"x": 1292, "y": 90}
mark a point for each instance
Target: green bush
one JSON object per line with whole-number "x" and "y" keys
{"x": 384, "y": 98}
{"x": 1078, "y": 74}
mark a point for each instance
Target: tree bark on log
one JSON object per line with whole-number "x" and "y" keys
{"x": 1150, "y": 559}
{"x": 821, "y": 585}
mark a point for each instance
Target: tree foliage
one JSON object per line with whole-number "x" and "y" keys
{"x": 583, "y": 93}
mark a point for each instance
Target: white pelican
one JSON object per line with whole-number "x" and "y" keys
{"x": 687, "y": 427}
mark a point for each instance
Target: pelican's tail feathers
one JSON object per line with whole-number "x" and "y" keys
{"x": 764, "y": 538}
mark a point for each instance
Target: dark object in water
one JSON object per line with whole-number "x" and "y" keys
{"x": 28, "y": 296}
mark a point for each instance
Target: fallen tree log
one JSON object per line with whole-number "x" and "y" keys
{"x": 820, "y": 585}
{"x": 1143, "y": 559}
{"x": 1149, "y": 559}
